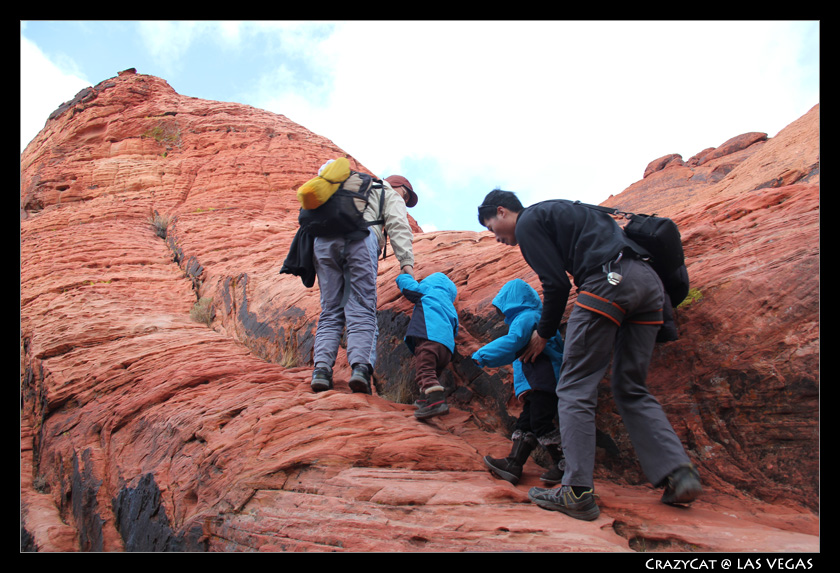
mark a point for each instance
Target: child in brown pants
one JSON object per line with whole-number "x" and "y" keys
{"x": 430, "y": 336}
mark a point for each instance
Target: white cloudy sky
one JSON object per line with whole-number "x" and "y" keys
{"x": 549, "y": 109}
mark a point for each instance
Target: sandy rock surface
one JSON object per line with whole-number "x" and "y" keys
{"x": 165, "y": 401}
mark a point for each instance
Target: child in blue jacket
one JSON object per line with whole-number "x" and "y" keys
{"x": 534, "y": 382}
{"x": 430, "y": 336}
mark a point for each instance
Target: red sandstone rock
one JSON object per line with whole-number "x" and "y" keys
{"x": 670, "y": 160}
{"x": 143, "y": 429}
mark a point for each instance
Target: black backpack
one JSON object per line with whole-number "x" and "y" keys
{"x": 342, "y": 215}
{"x": 660, "y": 238}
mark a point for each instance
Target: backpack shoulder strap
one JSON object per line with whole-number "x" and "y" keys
{"x": 377, "y": 184}
{"x": 609, "y": 210}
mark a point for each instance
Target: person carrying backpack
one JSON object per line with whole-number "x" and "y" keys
{"x": 616, "y": 316}
{"x": 346, "y": 268}
{"x": 534, "y": 382}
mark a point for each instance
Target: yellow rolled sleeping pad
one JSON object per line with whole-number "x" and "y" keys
{"x": 317, "y": 190}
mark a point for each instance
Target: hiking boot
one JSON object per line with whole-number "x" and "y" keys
{"x": 360, "y": 379}
{"x": 322, "y": 379}
{"x": 555, "y": 474}
{"x": 564, "y": 500}
{"x": 682, "y": 485}
{"x": 510, "y": 468}
{"x": 434, "y": 405}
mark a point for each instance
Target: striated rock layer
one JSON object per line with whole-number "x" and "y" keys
{"x": 165, "y": 403}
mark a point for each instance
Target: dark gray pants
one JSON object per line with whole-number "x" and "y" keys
{"x": 347, "y": 282}
{"x": 591, "y": 340}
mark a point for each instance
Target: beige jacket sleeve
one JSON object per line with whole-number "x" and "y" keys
{"x": 396, "y": 223}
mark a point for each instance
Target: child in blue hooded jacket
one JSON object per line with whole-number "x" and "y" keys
{"x": 430, "y": 336}
{"x": 534, "y": 382}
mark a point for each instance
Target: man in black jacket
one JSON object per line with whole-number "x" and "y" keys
{"x": 616, "y": 316}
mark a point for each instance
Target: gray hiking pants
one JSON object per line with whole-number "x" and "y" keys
{"x": 347, "y": 281}
{"x": 591, "y": 340}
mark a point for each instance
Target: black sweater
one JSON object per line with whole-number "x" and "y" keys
{"x": 558, "y": 237}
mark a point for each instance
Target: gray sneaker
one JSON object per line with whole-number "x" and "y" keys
{"x": 360, "y": 379}
{"x": 322, "y": 379}
{"x": 563, "y": 499}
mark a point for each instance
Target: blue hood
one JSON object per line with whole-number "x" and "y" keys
{"x": 438, "y": 286}
{"x": 521, "y": 306}
{"x": 516, "y": 297}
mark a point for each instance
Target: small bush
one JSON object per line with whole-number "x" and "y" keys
{"x": 289, "y": 354}
{"x": 693, "y": 296}
{"x": 165, "y": 133}
{"x": 401, "y": 389}
{"x": 159, "y": 223}
{"x": 202, "y": 311}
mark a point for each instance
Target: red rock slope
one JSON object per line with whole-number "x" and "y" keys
{"x": 150, "y": 422}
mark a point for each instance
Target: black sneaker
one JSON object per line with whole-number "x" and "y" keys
{"x": 434, "y": 405}
{"x": 563, "y": 499}
{"x": 682, "y": 485}
{"x": 360, "y": 379}
{"x": 322, "y": 379}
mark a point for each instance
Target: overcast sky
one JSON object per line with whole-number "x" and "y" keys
{"x": 549, "y": 109}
